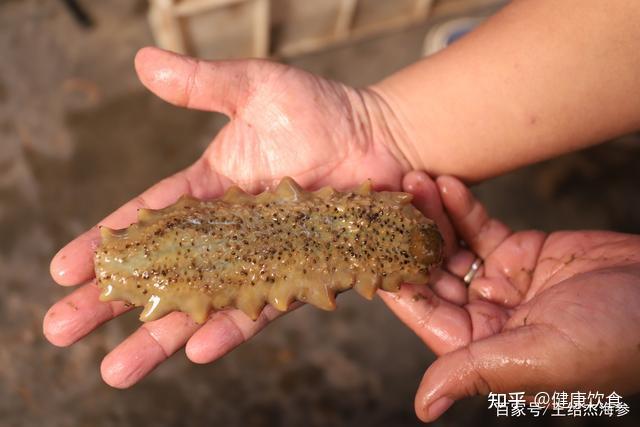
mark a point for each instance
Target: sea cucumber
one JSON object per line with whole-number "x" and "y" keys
{"x": 244, "y": 251}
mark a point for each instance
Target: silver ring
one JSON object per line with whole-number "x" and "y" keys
{"x": 475, "y": 266}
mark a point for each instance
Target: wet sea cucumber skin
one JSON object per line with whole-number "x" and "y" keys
{"x": 244, "y": 251}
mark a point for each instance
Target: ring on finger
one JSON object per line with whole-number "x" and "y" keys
{"x": 473, "y": 270}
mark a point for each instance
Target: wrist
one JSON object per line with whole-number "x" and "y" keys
{"x": 402, "y": 137}
{"x": 386, "y": 131}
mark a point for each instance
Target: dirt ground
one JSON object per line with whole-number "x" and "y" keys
{"x": 79, "y": 136}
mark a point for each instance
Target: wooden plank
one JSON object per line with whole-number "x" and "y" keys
{"x": 194, "y": 7}
{"x": 422, "y": 8}
{"x": 344, "y": 20}
{"x": 166, "y": 27}
{"x": 317, "y": 43}
{"x": 261, "y": 27}
{"x": 455, "y": 7}
{"x": 164, "y": 18}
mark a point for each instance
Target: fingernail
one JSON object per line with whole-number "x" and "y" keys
{"x": 420, "y": 176}
{"x": 438, "y": 407}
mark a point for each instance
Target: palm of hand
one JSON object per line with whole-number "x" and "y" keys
{"x": 572, "y": 313}
{"x": 556, "y": 312}
{"x": 283, "y": 122}
{"x": 287, "y": 122}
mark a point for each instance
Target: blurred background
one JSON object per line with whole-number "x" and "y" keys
{"x": 79, "y": 136}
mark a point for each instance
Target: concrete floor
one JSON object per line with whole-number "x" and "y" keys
{"x": 79, "y": 136}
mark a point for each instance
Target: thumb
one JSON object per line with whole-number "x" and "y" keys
{"x": 426, "y": 198}
{"x": 221, "y": 86}
{"x": 530, "y": 359}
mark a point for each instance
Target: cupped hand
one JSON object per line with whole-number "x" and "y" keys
{"x": 283, "y": 122}
{"x": 546, "y": 312}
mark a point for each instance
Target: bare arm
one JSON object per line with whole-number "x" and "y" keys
{"x": 541, "y": 78}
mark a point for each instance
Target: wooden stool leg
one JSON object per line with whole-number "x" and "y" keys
{"x": 166, "y": 27}
{"x": 261, "y": 28}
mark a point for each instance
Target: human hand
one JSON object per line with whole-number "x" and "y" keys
{"x": 284, "y": 121}
{"x": 545, "y": 312}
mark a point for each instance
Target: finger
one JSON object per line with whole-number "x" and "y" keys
{"x": 509, "y": 271}
{"x": 225, "y": 331}
{"x": 442, "y": 326}
{"x": 73, "y": 264}
{"x": 497, "y": 290}
{"x": 470, "y": 219}
{"x": 448, "y": 287}
{"x": 524, "y": 359}
{"x": 487, "y": 319}
{"x": 146, "y": 348}
{"x": 77, "y": 314}
{"x": 460, "y": 263}
{"x": 221, "y": 86}
{"x": 427, "y": 199}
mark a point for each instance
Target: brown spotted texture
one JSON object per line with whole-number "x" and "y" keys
{"x": 243, "y": 251}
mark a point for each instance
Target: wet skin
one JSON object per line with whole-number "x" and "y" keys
{"x": 547, "y": 312}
